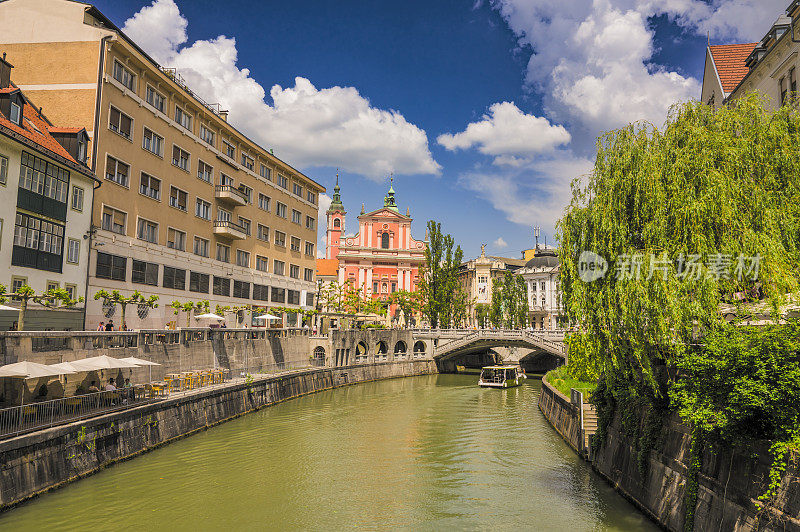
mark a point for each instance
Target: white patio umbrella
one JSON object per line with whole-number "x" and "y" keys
{"x": 266, "y": 317}
{"x": 31, "y": 370}
{"x": 6, "y": 307}
{"x": 143, "y": 362}
{"x": 100, "y": 363}
{"x": 66, "y": 366}
{"x": 209, "y": 316}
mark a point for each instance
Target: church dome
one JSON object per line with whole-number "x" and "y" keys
{"x": 544, "y": 258}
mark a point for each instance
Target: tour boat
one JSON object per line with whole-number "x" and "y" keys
{"x": 501, "y": 376}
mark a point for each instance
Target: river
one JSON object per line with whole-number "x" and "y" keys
{"x": 425, "y": 453}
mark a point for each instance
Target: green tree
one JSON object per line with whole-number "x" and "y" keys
{"x": 53, "y": 298}
{"x": 496, "y": 307}
{"x": 439, "y": 278}
{"x": 116, "y": 298}
{"x": 482, "y": 314}
{"x": 407, "y": 301}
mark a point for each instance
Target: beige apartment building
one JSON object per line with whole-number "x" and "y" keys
{"x": 189, "y": 208}
{"x": 768, "y": 66}
{"x": 476, "y": 277}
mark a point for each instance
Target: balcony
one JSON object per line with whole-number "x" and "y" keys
{"x": 230, "y": 195}
{"x": 229, "y": 229}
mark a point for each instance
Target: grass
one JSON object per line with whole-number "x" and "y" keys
{"x": 559, "y": 379}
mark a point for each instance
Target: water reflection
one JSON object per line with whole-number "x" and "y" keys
{"x": 425, "y": 453}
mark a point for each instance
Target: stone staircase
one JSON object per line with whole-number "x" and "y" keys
{"x": 589, "y": 423}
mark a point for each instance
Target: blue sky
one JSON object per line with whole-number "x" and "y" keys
{"x": 485, "y": 111}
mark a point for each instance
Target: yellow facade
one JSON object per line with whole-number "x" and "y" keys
{"x": 87, "y": 74}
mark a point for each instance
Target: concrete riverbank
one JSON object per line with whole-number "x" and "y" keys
{"x": 37, "y": 462}
{"x": 729, "y": 482}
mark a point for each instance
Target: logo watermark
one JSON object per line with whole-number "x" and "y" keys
{"x": 692, "y": 267}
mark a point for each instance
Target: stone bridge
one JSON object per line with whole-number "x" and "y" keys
{"x": 535, "y": 350}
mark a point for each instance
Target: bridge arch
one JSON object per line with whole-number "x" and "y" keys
{"x": 400, "y": 348}
{"x": 419, "y": 348}
{"x": 534, "y": 350}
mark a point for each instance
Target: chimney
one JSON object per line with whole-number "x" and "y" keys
{"x": 5, "y": 72}
{"x": 223, "y": 115}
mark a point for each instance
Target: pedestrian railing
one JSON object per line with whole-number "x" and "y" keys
{"x": 36, "y": 416}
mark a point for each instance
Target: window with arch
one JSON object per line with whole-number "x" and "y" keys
{"x": 336, "y": 222}
{"x": 381, "y": 348}
{"x": 400, "y": 348}
{"x": 385, "y": 240}
{"x": 319, "y": 353}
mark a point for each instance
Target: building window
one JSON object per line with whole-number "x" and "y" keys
{"x": 144, "y": 272}
{"x": 73, "y": 250}
{"x": 260, "y": 292}
{"x": 296, "y": 216}
{"x": 310, "y": 223}
{"x": 17, "y": 283}
{"x": 150, "y": 186}
{"x": 198, "y": 282}
{"x": 245, "y": 224}
{"x": 283, "y": 182}
{"x": 280, "y": 238}
{"x": 394, "y": 287}
{"x": 202, "y": 209}
{"x": 248, "y": 161}
{"x": 297, "y": 190}
{"x": 225, "y": 180}
{"x": 792, "y": 85}
{"x": 147, "y": 231}
{"x": 3, "y": 170}
{"x": 155, "y": 99}
{"x": 242, "y": 258}
{"x": 205, "y": 172}
{"x": 180, "y": 158}
{"x": 385, "y": 240}
{"x": 177, "y": 198}
{"x": 223, "y": 215}
{"x": 223, "y": 253}
{"x": 174, "y": 278}
{"x": 72, "y": 290}
{"x": 263, "y": 233}
{"x": 265, "y": 172}
{"x": 77, "y": 198}
{"x": 336, "y": 222}
{"x": 111, "y": 267}
{"x": 293, "y": 297}
{"x": 278, "y": 267}
{"x": 310, "y": 248}
{"x": 113, "y": 220}
{"x": 309, "y": 299}
{"x": 222, "y": 286}
{"x": 308, "y": 274}
{"x": 206, "y": 135}
{"x": 230, "y": 151}
{"x": 123, "y": 75}
{"x": 262, "y": 263}
{"x": 312, "y": 198}
{"x": 183, "y": 118}
{"x": 295, "y": 244}
{"x": 176, "y": 239}
{"x": 278, "y": 295}
{"x": 16, "y": 113}
{"x": 247, "y": 191}
{"x": 280, "y": 210}
{"x": 153, "y": 143}
{"x": 263, "y": 202}
{"x": 200, "y": 246}
{"x": 241, "y": 289}
{"x": 117, "y": 171}
{"x": 119, "y": 122}
{"x": 45, "y": 179}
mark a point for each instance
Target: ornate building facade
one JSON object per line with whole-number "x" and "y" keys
{"x": 382, "y": 257}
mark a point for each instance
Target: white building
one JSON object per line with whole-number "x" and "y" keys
{"x": 544, "y": 297}
{"x": 46, "y": 192}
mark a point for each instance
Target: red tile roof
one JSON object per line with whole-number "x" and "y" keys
{"x": 42, "y": 137}
{"x": 327, "y": 267}
{"x": 729, "y": 62}
{"x": 65, "y": 129}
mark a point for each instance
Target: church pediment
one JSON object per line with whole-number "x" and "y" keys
{"x": 385, "y": 213}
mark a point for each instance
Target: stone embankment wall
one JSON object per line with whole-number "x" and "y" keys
{"x": 562, "y": 414}
{"x": 40, "y": 461}
{"x": 728, "y": 487}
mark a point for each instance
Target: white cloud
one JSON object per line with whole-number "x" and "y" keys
{"x": 533, "y": 195}
{"x": 306, "y": 126}
{"x": 500, "y": 243}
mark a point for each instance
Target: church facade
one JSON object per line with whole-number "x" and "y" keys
{"x": 383, "y": 256}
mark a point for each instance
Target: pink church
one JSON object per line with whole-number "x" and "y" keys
{"x": 382, "y": 257}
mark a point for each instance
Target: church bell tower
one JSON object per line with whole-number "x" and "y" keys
{"x": 335, "y": 215}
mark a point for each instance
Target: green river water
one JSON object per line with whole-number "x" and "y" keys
{"x": 423, "y": 453}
